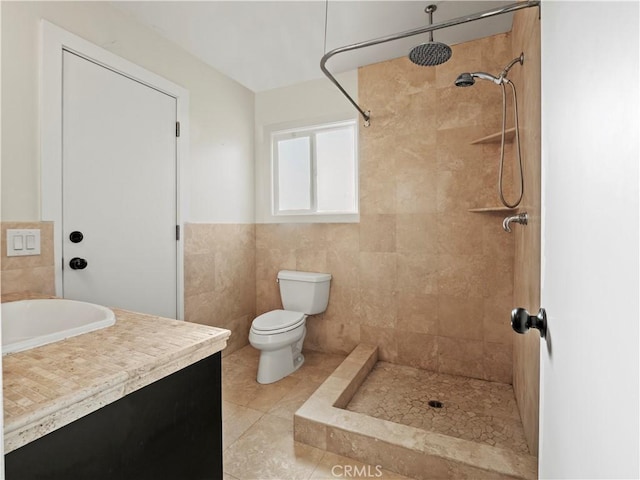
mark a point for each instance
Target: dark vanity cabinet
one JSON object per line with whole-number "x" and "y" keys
{"x": 170, "y": 429}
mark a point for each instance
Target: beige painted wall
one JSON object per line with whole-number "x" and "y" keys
{"x": 420, "y": 276}
{"x": 219, "y": 182}
{"x": 526, "y": 348}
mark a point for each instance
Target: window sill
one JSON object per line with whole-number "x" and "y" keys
{"x": 329, "y": 218}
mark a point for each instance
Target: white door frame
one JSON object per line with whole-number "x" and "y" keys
{"x": 54, "y": 41}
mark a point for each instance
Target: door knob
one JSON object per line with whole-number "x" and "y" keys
{"x": 77, "y": 263}
{"x": 521, "y": 321}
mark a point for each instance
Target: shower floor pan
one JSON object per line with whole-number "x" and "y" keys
{"x": 379, "y": 414}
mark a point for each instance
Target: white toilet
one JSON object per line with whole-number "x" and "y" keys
{"x": 279, "y": 334}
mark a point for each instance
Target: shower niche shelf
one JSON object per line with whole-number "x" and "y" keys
{"x": 510, "y": 133}
{"x": 491, "y": 209}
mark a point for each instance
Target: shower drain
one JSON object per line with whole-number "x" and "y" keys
{"x": 435, "y": 404}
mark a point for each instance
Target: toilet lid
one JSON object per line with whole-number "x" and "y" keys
{"x": 278, "y": 320}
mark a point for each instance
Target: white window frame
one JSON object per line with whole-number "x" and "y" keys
{"x": 310, "y": 215}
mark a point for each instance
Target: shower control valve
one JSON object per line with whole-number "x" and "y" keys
{"x": 521, "y": 321}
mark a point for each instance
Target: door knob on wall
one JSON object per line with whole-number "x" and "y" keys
{"x": 77, "y": 263}
{"x": 521, "y": 321}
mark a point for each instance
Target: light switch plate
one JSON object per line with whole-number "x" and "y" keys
{"x": 28, "y": 239}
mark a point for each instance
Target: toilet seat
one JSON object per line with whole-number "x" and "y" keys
{"x": 277, "y": 321}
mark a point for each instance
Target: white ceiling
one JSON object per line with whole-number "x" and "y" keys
{"x": 270, "y": 44}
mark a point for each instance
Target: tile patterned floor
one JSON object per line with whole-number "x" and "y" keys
{"x": 258, "y": 424}
{"x": 473, "y": 409}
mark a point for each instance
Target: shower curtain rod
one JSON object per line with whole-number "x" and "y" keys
{"x": 366, "y": 115}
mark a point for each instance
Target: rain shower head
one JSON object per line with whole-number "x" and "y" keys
{"x": 430, "y": 53}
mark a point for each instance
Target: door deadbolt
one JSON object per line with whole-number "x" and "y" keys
{"x": 76, "y": 237}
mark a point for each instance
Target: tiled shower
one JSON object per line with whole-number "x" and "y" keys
{"x": 428, "y": 275}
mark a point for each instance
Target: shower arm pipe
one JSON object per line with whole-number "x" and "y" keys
{"x": 366, "y": 115}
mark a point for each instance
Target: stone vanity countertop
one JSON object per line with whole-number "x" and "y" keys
{"x": 50, "y": 386}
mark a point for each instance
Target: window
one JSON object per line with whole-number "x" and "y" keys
{"x": 314, "y": 170}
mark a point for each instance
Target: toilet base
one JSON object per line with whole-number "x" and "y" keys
{"x": 276, "y": 364}
{"x": 274, "y": 367}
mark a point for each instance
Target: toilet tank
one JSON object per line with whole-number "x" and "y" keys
{"x": 306, "y": 292}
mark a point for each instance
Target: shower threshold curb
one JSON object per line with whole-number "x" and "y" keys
{"x": 323, "y": 422}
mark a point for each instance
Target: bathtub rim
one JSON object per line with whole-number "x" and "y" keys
{"x": 59, "y": 335}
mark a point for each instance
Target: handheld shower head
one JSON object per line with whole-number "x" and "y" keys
{"x": 467, "y": 79}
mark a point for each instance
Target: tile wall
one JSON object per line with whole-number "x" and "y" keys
{"x": 34, "y": 273}
{"x": 526, "y": 359}
{"x": 220, "y": 278}
{"x": 420, "y": 276}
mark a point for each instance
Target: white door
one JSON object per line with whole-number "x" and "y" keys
{"x": 119, "y": 190}
{"x": 589, "y": 373}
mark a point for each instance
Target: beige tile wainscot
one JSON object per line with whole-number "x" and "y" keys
{"x": 48, "y": 387}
